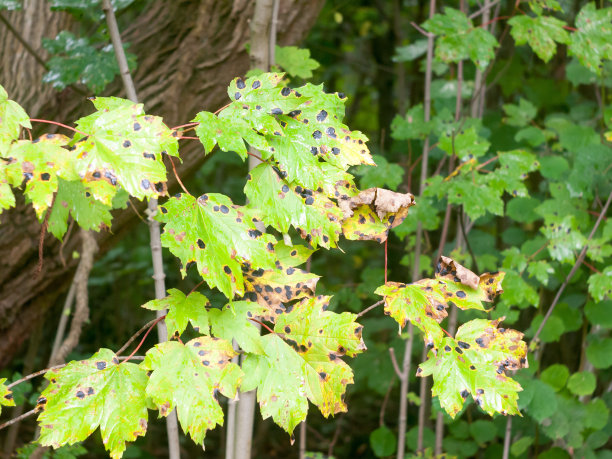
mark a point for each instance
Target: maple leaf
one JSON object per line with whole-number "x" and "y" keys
{"x": 232, "y": 322}
{"x": 306, "y": 365}
{"x": 371, "y": 213}
{"x": 90, "y": 393}
{"x": 293, "y": 255}
{"x": 283, "y": 205}
{"x": 217, "y": 236}
{"x": 74, "y": 199}
{"x": 273, "y": 287}
{"x": 6, "y": 396}
{"x": 123, "y": 147}
{"x": 12, "y": 118}
{"x": 474, "y": 362}
{"x": 423, "y": 303}
{"x": 188, "y": 376}
{"x": 7, "y": 198}
{"x": 40, "y": 163}
{"x": 181, "y": 310}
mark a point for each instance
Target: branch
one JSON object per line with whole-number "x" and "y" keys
{"x": 23, "y": 42}
{"x": 135, "y": 335}
{"x": 18, "y": 418}
{"x": 154, "y": 322}
{"x": 398, "y": 372}
{"x": 369, "y": 308}
{"x": 572, "y": 272}
{"x": 486, "y": 7}
{"x": 507, "y": 438}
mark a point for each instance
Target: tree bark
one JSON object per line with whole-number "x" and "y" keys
{"x": 187, "y": 54}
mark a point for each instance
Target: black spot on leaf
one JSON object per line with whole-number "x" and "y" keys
{"x": 285, "y": 91}
{"x": 461, "y": 294}
{"x": 127, "y": 144}
{"x": 224, "y": 209}
{"x": 45, "y": 176}
{"x": 276, "y": 111}
{"x": 201, "y": 244}
{"x": 237, "y": 96}
{"x": 321, "y": 116}
{"x": 284, "y": 188}
{"x": 463, "y": 344}
{"x": 101, "y": 365}
{"x": 145, "y": 184}
{"x": 309, "y": 201}
{"x": 256, "y": 84}
{"x": 227, "y": 269}
{"x": 148, "y": 155}
{"x": 240, "y": 84}
{"x": 447, "y": 348}
{"x": 317, "y": 134}
{"x": 80, "y": 394}
{"x": 137, "y": 126}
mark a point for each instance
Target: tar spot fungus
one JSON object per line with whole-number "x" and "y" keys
{"x": 101, "y": 365}
{"x": 285, "y": 91}
{"x": 256, "y": 84}
{"x": 201, "y": 244}
{"x": 240, "y": 84}
{"x": 227, "y": 269}
{"x": 45, "y": 176}
{"x": 237, "y": 96}
{"x": 127, "y": 144}
{"x": 317, "y": 134}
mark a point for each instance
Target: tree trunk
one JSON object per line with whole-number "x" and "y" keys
{"x": 187, "y": 54}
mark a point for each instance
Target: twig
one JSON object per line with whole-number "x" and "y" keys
{"x": 383, "y": 407}
{"x": 421, "y": 31}
{"x": 507, "y": 438}
{"x": 135, "y": 335}
{"x": 386, "y": 257}
{"x": 18, "y": 418}
{"x": 81, "y": 310}
{"x": 369, "y": 308}
{"x": 64, "y": 241}
{"x": 467, "y": 242}
{"x": 577, "y": 264}
{"x": 159, "y": 319}
{"x": 486, "y": 7}
{"x": 142, "y": 219}
{"x": 185, "y": 125}
{"x": 195, "y": 287}
{"x": 332, "y": 444}
{"x": 398, "y": 372}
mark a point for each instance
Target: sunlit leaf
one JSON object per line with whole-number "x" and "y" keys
{"x": 182, "y": 309}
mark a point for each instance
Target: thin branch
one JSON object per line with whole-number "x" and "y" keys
{"x": 155, "y": 322}
{"x": 184, "y": 126}
{"x": 330, "y": 450}
{"x": 507, "y": 438}
{"x": 421, "y": 31}
{"x": 41, "y": 239}
{"x": 18, "y": 418}
{"x": 23, "y": 41}
{"x": 486, "y": 7}
{"x": 142, "y": 219}
{"x": 467, "y": 242}
{"x": 383, "y": 406}
{"x": 386, "y": 257}
{"x": 369, "y": 308}
{"x": 396, "y": 367}
{"x": 577, "y": 264}
{"x": 136, "y": 335}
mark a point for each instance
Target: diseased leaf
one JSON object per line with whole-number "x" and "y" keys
{"x": 188, "y": 377}
{"x": 466, "y": 144}
{"x": 565, "y": 238}
{"x": 90, "y": 393}
{"x": 7, "y": 198}
{"x": 181, "y": 310}
{"x": 474, "y": 362}
{"x": 600, "y": 284}
{"x": 283, "y": 205}
{"x": 294, "y": 255}
{"x": 12, "y": 118}
{"x": 123, "y": 147}
{"x": 218, "y": 236}
{"x": 271, "y": 288}
{"x": 73, "y": 199}
{"x": 6, "y": 396}
{"x": 384, "y": 174}
{"x": 287, "y": 377}
{"x": 40, "y": 164}
{"x": 232, "y": 322}
{"x": 422, "y": 303}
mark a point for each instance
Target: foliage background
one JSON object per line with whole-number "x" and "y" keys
{"x": 556, "y": 110}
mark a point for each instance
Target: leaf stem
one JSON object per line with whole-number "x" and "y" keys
{"x": 369, "y": 308}
{"x": 263, "y": 325}
{"x": 178, "y": 179}
{"x": 59, "y": 124}
{"x": 153, "y": 323}
{"x": 184, "y": 126}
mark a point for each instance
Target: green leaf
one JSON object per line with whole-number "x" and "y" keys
{"x": 123, "y": 146}
{"x": 582, "y": 383}
{"x": 421, "y": 303}
{"x": 217, "y": 236}
{"x": 540, "y": 400}
{"x": 7, "y": 198}
{"x": 466, "y": 144}
{"x": 564, "y": 236}
{"x": 223, "y": 131}
{"x": 541, "y": 270}
{"x": 182, "y": 310}
{"x": 599, "y": 313}
{"x": 596, "y": 414}
{"x": 552, "y": 331}
{"x": 514, "y": 167}
{"x": 600, "y": 284}
{"x": 553, "y": 167}
{"x": 534, "y": 136}
{"x": 458, "y": 373}
{"x": 542, "y": 33}
{"x": 411, "y": 126}
{"x": 295, "y": 61}
{"x": 76, "y": 60}
{"x": 555, "y": 376}
{"x": 40, "y": 164}
{"x": 232, "y": 322}
{"x": 383, "y": 441}
{"x": 6, "y": 396}
{"x": 384, "y": 174}
{"x": 10, "y": 5}
{"x": 13, "y": 118}
{"x": 517, "y": 292}
{"x": 522, "y": 209}
{"x": 283, "y": 205}
{"x": 520, "y": 446}
{"x": 483, "y": 431}
{"x": 458, "y": 39}
{"x": 592, "y": 42}
{"x": 520, "y": 115}
{"x": 599, "y": 352}
{"x": 74, "y": 199}
{"x": 90, "y": 393}
{"x": 186, "y": 376}
{"x": 410, "y": 52}
{"x": 294, "y": 255}
{"x": 305, "y": 364}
